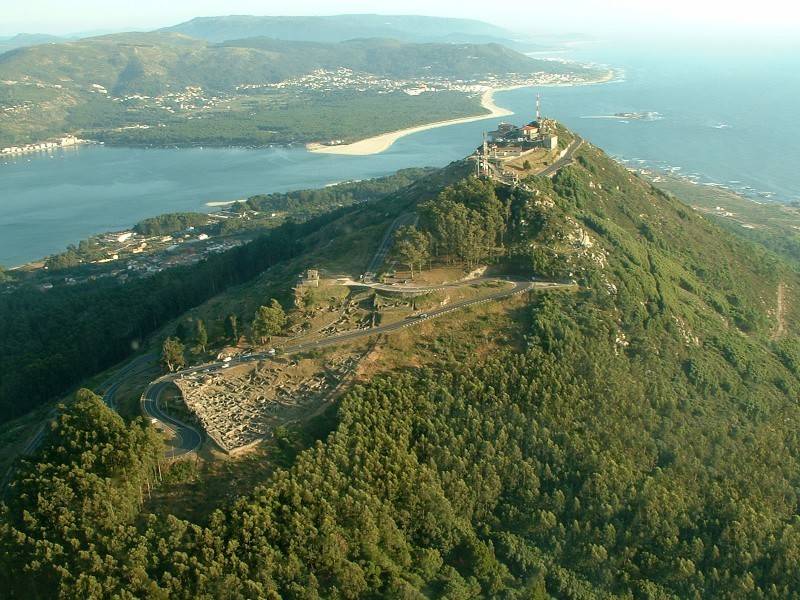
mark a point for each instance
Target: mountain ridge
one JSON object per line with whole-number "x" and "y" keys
{"x": 117, "y": 82}
{"x": 634, "y": 438}
{"x": 335, "y": 28}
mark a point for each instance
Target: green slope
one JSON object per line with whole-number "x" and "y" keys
{"x": 153, "y": 63}
{"x": 22, "y": 40}
{"x": 391, "y": 58}
{"x": 98, "y": 86}
{"x": 338, "y": 28}
{"x": 636, "y": 439}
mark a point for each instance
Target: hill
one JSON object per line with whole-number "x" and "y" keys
{"x": 633, "y": 439}
{"x": 392, "y": 58}
{"x": 155, "y": 63}
{"x": 22, "y": 40}
{"x": 116, "y": 87}
{"x": 339, "y": 28}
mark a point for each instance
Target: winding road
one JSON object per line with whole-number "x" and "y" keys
{"x": 564, "y": 160}
{"x": 189, "y": 437}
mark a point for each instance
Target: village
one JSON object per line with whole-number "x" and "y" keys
{"x": 127, "y": 254}
{"x": 322, "y": 80}
{"x": 68, "y": 141}
{"x": 242, "y": 408}
{"x": 192, "y": 101}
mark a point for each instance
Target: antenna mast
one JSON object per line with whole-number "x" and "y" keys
{"x": 539, "y": 109}
{"x": 485, "y": 157}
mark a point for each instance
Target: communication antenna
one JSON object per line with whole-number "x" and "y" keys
{"x": 539, "y": 108}
{"x": 485, "y": 157}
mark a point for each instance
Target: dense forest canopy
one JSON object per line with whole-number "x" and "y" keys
{"x": 637, "y": 441}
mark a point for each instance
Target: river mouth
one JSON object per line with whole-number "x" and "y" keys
{"x": 49, "y": 201}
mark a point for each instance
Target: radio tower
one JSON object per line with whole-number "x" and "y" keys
{"x": 485, "y": 157}
{"x": 539, "y": 109}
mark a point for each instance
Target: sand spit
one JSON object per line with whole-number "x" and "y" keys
{"x": 382, "y": 142}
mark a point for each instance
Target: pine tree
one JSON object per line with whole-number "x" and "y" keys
{"x": 201, "y": 335}
{"x": 232, "y": 328}
{"x": 172, "y": 354}
{"x": 269, "y": 321}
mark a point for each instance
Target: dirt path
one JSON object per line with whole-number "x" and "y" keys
{"x": 780, "y": 313}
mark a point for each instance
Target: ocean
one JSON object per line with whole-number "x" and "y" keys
{"x": 724, "y": 117}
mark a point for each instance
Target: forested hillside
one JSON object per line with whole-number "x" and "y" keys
{"x": 339, "y": 28}
{"x": 134, "y": 82}
{"x": 639, "y": 441}
{"x": 51, "y": 341}
{"x": 155, "y": 63}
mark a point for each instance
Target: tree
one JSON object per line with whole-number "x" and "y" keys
{"x": 232, "y": 328}
{"x": 526, "y": 165}
{"x": 201, "y": 335}
{"x": 307, "y": 299}
{"x": 183, "y": 330}
{"x": 65, "y": 260}
{"x": 269, "y": 321}
{"x": 411, "y": 247}
{"x": 172, "y": 354}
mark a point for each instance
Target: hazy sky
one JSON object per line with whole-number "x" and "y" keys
{"x": 780, "y": 17}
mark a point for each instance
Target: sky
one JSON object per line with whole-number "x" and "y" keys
{"x": 695, "y": 17}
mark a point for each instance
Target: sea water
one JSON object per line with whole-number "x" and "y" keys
{"x": 727, "y": 116}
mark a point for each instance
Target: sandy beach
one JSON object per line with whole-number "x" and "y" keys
{"x": 382, "y": 142}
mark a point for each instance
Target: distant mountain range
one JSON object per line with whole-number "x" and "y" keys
{"x": 153, "y": 63}
{"x": 22, "y": 40}
{"x": 51, "y": 86}
{"x": 338, "y": 28}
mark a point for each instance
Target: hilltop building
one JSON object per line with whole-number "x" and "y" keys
{"x": 508, "y": 138}
{"x": 502, "y": 148}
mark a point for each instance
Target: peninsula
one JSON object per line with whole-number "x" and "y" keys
{"x": 382, "y": 142}
{"x": 253, "y": 92}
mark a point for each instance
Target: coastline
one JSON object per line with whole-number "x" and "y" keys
{"x": 382, "y": 142}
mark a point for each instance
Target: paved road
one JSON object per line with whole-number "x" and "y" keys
{"x": 111, "y": 386}
{"x": 412, "y": 289}
{"x": 187, "y": 437}
{"x": 108, "y": 388}
{"x": 564, "y": 160}
{"x": 512, "y": 288}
